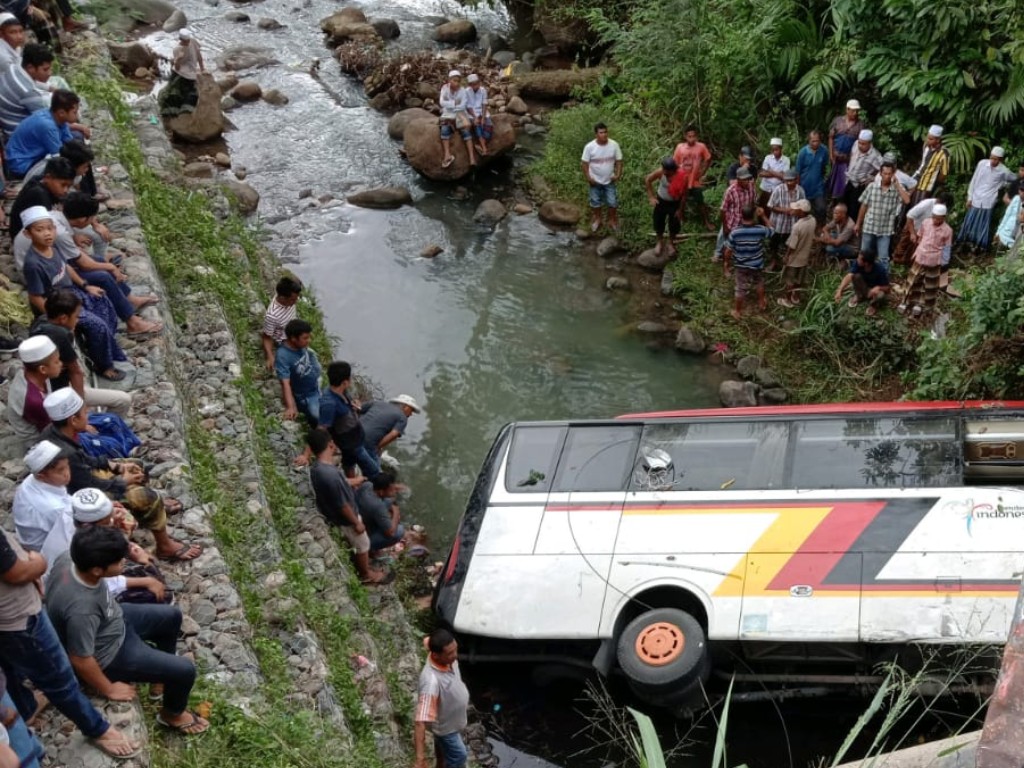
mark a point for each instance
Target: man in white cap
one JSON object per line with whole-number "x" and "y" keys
{"x": 773, "y": 169}
{"x": 982, "y": 195}
{"x": 180, "y": 95}
{"x": 476, "y": 108}
{"x": 798, "y": 251}
{"x": 842, "y": 135}
{"x": 384, "y": 422}
{"x": 1009, "y": 229}
{"x": 922, "y": 287}
{"x": 781, "y": 213}
{"x": 934, "y": 168}
{"x": 865, "y": 161}
{"x": 42, "y": 499}
{"x": 12, "y": 38}
{"x": 40, "y": 362}
{"x": 454, "y": 117}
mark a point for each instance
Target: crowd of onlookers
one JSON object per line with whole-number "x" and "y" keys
{"x": 842, "y": 201}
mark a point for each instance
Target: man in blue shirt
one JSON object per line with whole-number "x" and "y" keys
{"x": 745, "y": 248}
{"x": 339, "y": 415}
{"x": 812, "y": 169}
{"x": 869, "y": 280}
{"x": 42, "y": 133}
{"x": 298, "y": 369}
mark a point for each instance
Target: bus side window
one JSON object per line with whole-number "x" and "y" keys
{"x": 597, "y": 458}
{"x": 532, "y": 457}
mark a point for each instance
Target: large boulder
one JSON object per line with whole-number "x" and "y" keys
{"x": 609, "y": 247}
{"x": 690, "y": 340}
{"x": 175, "y": 21}
{"x": 560, "y": 213}
{"x": 654, "y": 262}
{"x": 398, "y": 122}
{"x": 490, "y": 212}
{"x": 738, "y": 394}
{"x": 382, "y": 198}
{"x": 387, "y": 28}
{"x": 456, "y": 32}
{"x": 242, "y": 57}
{"x": 349, "y": 24}
{"x": 517, "y": 106}
{"x": 132, "y": 56}
{"x": 424, "y": 152}
{"x": 566, "y": 31}
{"x": 143, "y": 12}
{"x": 206, "y": 121}
{"x": 247, "y": 90}
{"x": 557, "y": 85}
{"x": 245, "y": 198}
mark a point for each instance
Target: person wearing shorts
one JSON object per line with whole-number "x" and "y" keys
{"x": 693, "y": 158}
{"x": 454, "y": 117}
{"x": 667, "y": 200}
{"x": 442, "y": 704}
{"x": 602, "y": 167}
{"x": 336, "y": 501}
{"x": 745, "y": 248}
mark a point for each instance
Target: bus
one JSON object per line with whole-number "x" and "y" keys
{"x": 794, "y": 544}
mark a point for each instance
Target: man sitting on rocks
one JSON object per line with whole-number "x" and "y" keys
{"x": 25, "y": 412}
{"x": 455, "y": 118}
{"x": 12, "y": 38}
{"x": 20, "y": 91}
{"x": 336, "y": 501}
{"x": 41, "y": 500}
{"x": 476, "y": 108}
{"x": 123, "y": 480}
{"x": 339, "y": 414}
{"x": 112, "y": 645}
{"x": 298, "y": 369}
{"x": 47, "y": 190}
{"x": 385, "y": 422}
{"x": 838, "y": 234}
{"x": 42, "y": 133}
{"x": 869, "y": 280}
{"x": 380, "y": 513}
{"x": 280, "y": 312}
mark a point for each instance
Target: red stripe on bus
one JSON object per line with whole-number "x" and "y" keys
{"x": 863, "y": 409}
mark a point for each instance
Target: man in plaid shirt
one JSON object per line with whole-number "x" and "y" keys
{"x": 737, "y": 197}
{"x": 879, "y": 206}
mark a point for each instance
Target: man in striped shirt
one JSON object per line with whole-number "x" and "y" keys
{"x": 745, "y": 247}
{"x": 23, "y": 88}
{"x": 934, "y": 166}
{"x": 280, "y": 312}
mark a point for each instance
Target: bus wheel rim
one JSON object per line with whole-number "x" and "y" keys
{"x": 660, "y": 643}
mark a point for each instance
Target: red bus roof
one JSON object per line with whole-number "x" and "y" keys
{"x": 832, "y": 408}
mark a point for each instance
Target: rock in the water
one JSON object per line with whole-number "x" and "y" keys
{"x": 228, "y": 82}
{"x": 381, "y": 102}
{"x": 517, "y": 106}
{"x": 609, "y": 247}
{"x": 142, "y": 73}
{"x": 738, "y": 394}
{"x": 424, "y": 152}
{"x": 399, "y": 121}
{"x": 175, "y": 21}
{"x": 431, "y": 251}
{"x": 748, "y": 365}
{"x": 247, "y": 90}
{"x": 227, "y": 104}
{"x": 245, "y": 57}
{"x": 689, "y": 340}
{"x": 767, "y": 378}
{"x": 558, "y": 212}
{"x": 617, "y": 284}
{"x": 269, "y": 24}
{"x": 521, "y": 209}
{"x": 490, "y": 212}
{"x": 456, "y": 32}
{"x": 349, "y": 24}
{"x": 206, "y": 121}
{"x": 222, "y": 159}
{"x": 558, "y": 84}
{"x": 246, "y": 199}
{"x": 650, "y": 326}
{"x": 132, "y": 56}
{"x": 503, "y": 58}
{"x": 198, "y": 170}
{"x": 353, "y": 14}
{"x": 668, "y": 284}
{"x": 774, "y": 396}
{"x": 652, "y": 261}
{"x": 275, "y": 97}
{"x": 384, "y": 197}
{"x": 237, "y": 16}
{"x": 386, "y": 28}
{"x": 240, "y": 172}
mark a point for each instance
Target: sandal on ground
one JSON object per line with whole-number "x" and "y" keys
{"x": 112, "y": 374}
{"x": 183, "y": 554}
{"x": 871, "y": 311}
{"x": 156, "y": 330}
{"x": 853, "y": 302}
{"x": 194, "y": 726}
{"x": 448, "y": 161}
{"x": 156, "y": 691}
{"x": 109, "y": 749}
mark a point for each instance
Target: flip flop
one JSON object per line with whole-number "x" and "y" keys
{"x": 178, "y": 556}
{"x": 117, "y": 375}
{"x": 448, "y": 162}
{"x": 107, "y": 749}
{"x": 183, "y": 728}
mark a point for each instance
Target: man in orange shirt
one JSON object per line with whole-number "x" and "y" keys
{"x": 694, "y": 159}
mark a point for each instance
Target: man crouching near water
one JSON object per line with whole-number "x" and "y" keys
{"x": 442, "y": 704}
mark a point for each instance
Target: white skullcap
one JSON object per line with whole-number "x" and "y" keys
{"x": 90, "y": 505}
{"x": 8, "y": 18}
{"x": 185, "y": 33}
{"x": 41, "y": 455}
{"x": 853, "y": 104}
{"x": 63, "y": 404}
{"x": 866, "y": 135}
{"x": 35, "y": 349}
{"x": 454, "y": 73}
{"x": 776, "y": 142}
{"x": 939, "y": 210}
{"x": 935, "y": 130}
{"x": 997, "y": 152}
{"x": 33, "y": 214}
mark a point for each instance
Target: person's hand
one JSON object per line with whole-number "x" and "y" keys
{"x": 652, "y": 199}
{"x": 270, "y": 363}
{"x": 38, "y": 13}
{"x": 355, "y": 482}
{"x": 155, "y": 586}
{"x": 83, "y": 241}
{"x": 839, "y": 296}
{"x": 359, "y": 527}
{"x": 301, "y": 460}
{"x": 856, "y": 230}
{"x": 132, "y": 473}
{"x": 138, "y": 555}
{"x": 290, "y": 414}
{"x": 94, "y": 290}
{"x": 85, "y": 130}
{"x": 120, "y": 692}
{"x": 102, "y": 230}
{"x": 118, "y": 275}
{"x": 969, "y": 204}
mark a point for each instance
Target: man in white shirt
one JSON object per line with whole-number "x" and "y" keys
{"x": 476, "y": 108}
{"x": 865, "y": 162}
{"x": 602, "y": 167}
{"x": 773, "y": 170}
{"x": 982, "y": 194}
{"x": 42, "y": 502}
{"x": 12, "y": 38}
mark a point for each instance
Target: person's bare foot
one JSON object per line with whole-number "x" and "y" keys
{"x": 137, "y": 326}
{"x": 736, "y": 314}
{"x": 41, "y": 704}
{"x": 144, "y": 300}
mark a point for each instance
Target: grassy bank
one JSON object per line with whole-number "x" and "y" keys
{"x": 195, "y": 251}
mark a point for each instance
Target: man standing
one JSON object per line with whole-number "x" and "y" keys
{"x": 989, "y": 177}
{"x": 280, "y": 312}
{"x": 842, "y": 135}
{"x": 798, "y": 251}
{"x": 865, "y": 161}
{"x": 923, "y": 280}
{"x": 180, "y": 94}
{"x": 870, "y": 283}
{"x": 773, "y": 168}
{"x": 385, "y": 422}
{"x": 442, "y": 704}
{"x": 737, "y": 197}
{"x": 879, "y": 206}
{"x": 1009, "y": 228}
{"x": 838, "y": 234}
{"x": 811, "y": 170}
{"x": 42, "y": 133}
{"x": 668, "y": 201}
{"x": 602, "y": 167}
{"x": 693, "y": 159}
{"x": 745, "y": 246}
{"x": 340, "y": 416}
{"x": 781, "y": 214}
{"x": 934, "y": 168}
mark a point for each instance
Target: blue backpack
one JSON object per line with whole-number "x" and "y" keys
{"x": 113, "y": 438}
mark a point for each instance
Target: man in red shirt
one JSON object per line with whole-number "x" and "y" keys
{"x": 29, "y": 387}
{"x": 694, "y": 159}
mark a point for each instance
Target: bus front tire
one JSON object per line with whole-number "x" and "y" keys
{"x": 663, "y": 651}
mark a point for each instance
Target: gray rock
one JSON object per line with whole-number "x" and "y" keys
{"x": 247, "y": 90}
{"x": 275, "y": 97}
{"x": 774, "y": 396}
{"x": 617, "y": 284}
{"x": 341, "y": 31}
{"x": 431, "y": 251}
{"x": 237, "y": 16}
{"x": 689, "y": 340}
{"x": 531, "y": 129}
{"x": 517, "y": 106}
{"x": 198, "y": 170}
{"x": 747, "y": 366}
{"x": 668, "y": 285}
{"x": 144, "y": 12}
{"x": 268, "y": 24}
{"x": 608, "y": 247}
{"x": 222, "y": 159}
{"x": 492, "y": 41}
{"x": 503, "y": 58}
{"x": 456, "y": 32}
{"x": 175, "y": 21}
{"x": 387, "y": 28}
{"x": 242, "y": 57}
{"x": 227, "y": 104}
{"x": 228, "y": 82}
{"x": 738, "y": 394}
{"x": 650, "y": 326}
{"x": 246, "y": 199}
{"x": 652, "y": 261}
{"x": 384, "y": 198}
{"x": 490, "y": 212}
{"x": 381, "y": 102}
{"x": 400, "y": 120}
{"x": 767, "y": 378}
{"x": 132, "y": 56}
{"x": 142, "y": 73}
{"x": 521, "y": 209}
{"x": 204, "y": 612}
{"x": 558, "y": 212}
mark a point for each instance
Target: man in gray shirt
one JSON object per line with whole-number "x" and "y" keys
{"x": 111, "y": 644}
{"x": 380, "y": 513}
{"x": 385, "y": 422}
{"x": 442, "y": 704}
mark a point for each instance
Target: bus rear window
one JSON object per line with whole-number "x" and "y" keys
{"x": 531, "y": 459}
